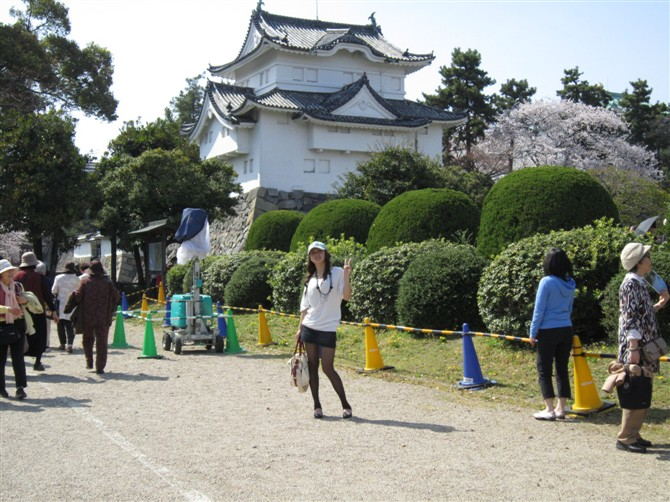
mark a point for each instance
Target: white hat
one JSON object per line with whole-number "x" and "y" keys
{"x": 5, "y": 265}
{"x": 317, "y": 245}
{"x": 28, "y": 260}
{"x": 632, "y": 254}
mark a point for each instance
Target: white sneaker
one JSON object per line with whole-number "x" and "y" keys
{"x": 544, "y": 415}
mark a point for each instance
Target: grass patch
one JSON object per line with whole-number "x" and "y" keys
{"x": 437, "y": 363}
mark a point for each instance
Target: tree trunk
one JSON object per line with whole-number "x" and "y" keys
{"x": 138, "y": 264}
{"x": 37, "y": 246}
{"x": 112, "y": 239}
{"x": 53, "y": 258}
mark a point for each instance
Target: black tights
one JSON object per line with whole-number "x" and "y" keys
{"x": 327, "y": 359}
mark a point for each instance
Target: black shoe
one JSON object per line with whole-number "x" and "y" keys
{"x": 39, "y": 367}
{"x": 20, "y": 393}
{"x": 644, "y": 442}
{"x": 3, "y": 393}
{"x": 100, "y": 372}
{"x": 89, "y": 366}
{"x": 633, "y": 447}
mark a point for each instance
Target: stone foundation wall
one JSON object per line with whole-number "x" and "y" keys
{"x": 229, "y": 235}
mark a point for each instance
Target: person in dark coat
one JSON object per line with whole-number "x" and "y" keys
{"x": 96, "y": 301}
{"x": 37, "y": 284}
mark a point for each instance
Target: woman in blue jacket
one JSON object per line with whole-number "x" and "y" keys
{"x": 551, "y": 331}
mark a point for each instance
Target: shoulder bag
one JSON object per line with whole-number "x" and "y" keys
{"x": 9, "y": 334}
{"x": 299, "y": 368}
{"x": 654, "y": 349}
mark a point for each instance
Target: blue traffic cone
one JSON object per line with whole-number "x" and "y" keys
{"x": 221, "y": 321}
{"x": 124, "y": 305}
{"x": 472, "y": 373}
{"x": 168, "y": 312}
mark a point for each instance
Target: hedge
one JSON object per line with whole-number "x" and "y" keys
{"x": 506, "y": 294}
{"x": 348, "y": 217}
{"x": 537, "y": 200}
{"x": 248, "y": 286}
{"x": 218, "y": 273}
{"x": 375, "y": 280}
{"x": 439, "y": 289}
{"x": 273, "y": 230}
{"x": 419, "y": 215}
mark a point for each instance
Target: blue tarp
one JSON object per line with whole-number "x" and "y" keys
{"x": 192, "y": 221}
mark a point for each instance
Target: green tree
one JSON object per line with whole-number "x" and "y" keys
{"x": 389, "y": 173}
{"x": 513, "y": 92}
{"x": 41, "y": 68}
{"x": 462, "y": 91}
{"x": 44, "y": 186}
{"x": 581, "y": 91}
{"x": 185, "y": 108}
{"x": 637, "y": 111}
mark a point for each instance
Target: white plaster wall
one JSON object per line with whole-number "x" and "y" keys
{"x": 82, "y": 250}
{"x": 333, "y": 72}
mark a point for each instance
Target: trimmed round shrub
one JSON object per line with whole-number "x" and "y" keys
{"x": 375, "y": 280}
{"x": 507, "y": 289}
{"x": 439, "y": 289}
{"x": 610, "y": 298}
{"x": 175, "y": 279}
{"x": 537, "y": 200}
{"x": 273, "y": 230}
{"x": 336, "y": 218}
{"x": 218, "y": 273}
{"x": 248, "y": 286}
{"x": 288, "y": 274}
{"x": 419, "y": 215}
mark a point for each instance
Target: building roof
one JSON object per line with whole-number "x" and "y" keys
{"x": 314, "y": 37}
{"x": 231, "y": 103}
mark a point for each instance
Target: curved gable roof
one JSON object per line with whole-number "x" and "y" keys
{"x": 308, "y": 35}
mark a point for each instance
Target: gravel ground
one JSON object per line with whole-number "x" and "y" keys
{"x": 205, "y": 426}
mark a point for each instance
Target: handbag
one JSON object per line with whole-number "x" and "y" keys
{"x": 654, "y": 349}
{"x": 9, "y": 334}
{"x": 34, "y": 305}
{"x": 635, "y": 392}
{"x": 299, "y": 368}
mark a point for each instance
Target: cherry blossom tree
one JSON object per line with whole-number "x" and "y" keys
{"x": 561, "y": 133}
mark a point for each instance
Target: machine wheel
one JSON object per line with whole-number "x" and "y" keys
{"x": 218, "y": 344}
{"x": 177, "y": 345}
{"x": 167, "y": 341}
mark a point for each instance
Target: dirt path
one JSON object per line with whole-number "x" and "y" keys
{"x": 202, "y": 426}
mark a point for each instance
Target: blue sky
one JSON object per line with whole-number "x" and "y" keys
{"x": 156, "y": 44}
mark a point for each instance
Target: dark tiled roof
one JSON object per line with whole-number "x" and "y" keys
{"x": 232, "y": 101}
{"x": 314, "y": 35}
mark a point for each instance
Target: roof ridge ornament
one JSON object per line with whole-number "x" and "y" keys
{"x": 259, "y": 6}
{"x": 374, "y": 24}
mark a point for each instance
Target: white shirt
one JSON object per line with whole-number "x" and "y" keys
{"x": 64, "y": 285}
{"x": 322, "y": 300}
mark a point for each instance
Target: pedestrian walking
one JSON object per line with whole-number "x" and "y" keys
{"x": 320, "y": 312}
{"x": 37, "y": 284}
{"x": 12, "y": 329}
{"x": 64, "y": 285}
{"x": 96, "y": 300}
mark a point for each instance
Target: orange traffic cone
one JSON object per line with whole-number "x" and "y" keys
{"x": 587, "y": 400}
{"x": 144, "y": 308}
{"x": 161, "y": 293}
{"x": 373, "y": 358}
{"x": 264, "y": 336}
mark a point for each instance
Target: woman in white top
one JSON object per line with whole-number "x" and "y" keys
{"x": 325, "y": 288}
{"x": 64, "y": 285}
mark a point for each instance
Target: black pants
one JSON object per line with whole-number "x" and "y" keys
{"x": 19, "y": 365}
{"x": 554, "y": 344}
{"x": 37, "y": 343}
{"x": 65, "y": 332}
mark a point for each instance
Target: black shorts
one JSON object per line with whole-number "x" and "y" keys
{"x": 320, "y": 338}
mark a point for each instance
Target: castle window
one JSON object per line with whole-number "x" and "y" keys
{"x": 396, "y": 84}
{"x": 298, "y": 74}
{"x": 324, "y": 167}
{"x": 309, "y": 166}
{"x": 251, "y": 165}
{"x": 311, "y": 75}
{"x": 246, "y": 166}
